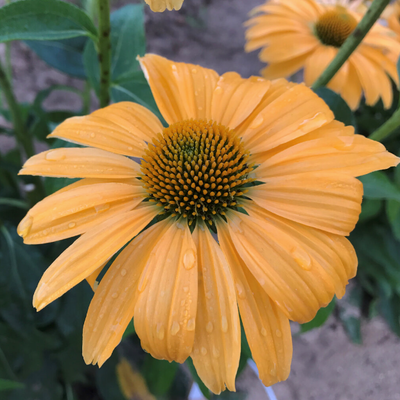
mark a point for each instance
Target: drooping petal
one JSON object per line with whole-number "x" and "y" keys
{"x": 73, "y": 212}
{"x": 353, "y": 155}
{"x": 165, "y": 312}
{"x": 216, "y": 349}
{"x": 114, "y": 301}
{"x": 181, "y": 91}
{"x": 234, "y": 98}
{"x": 92, "y": 278}
{"x": 267, "y": 328}
{"x": 89, "y": 252}
{"x": 290, "y": 270}
{"x": 81, "y": 163}
{"x": 162, "y": 5}
{"x": 323, "y": 200}
{"x": 285, "y": 113}
{"x": 352, "y": 90}
{"x": 121, "y": 128}
{"x": 284, "y": 68}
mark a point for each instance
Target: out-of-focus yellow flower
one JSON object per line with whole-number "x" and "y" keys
{"x": 296, "y": 34}
{"x": 262, "y": 164}
{"x": 162, "y": 5}
{"x": 393, "y": 18}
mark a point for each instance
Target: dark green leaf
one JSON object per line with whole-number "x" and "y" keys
{"x": 378, "y": 186}
{"x": 158, "y": 374}
{"x": 321, "y": 317}
{"x": 352, "y": 326}
{"x": 6, "y": 384}
{"x": 43, "y": 20}
{"x": 65, "y": 55}
{"x": 390, "y": 310}
{"x": 393, "y": 214}
{"x": 370, "y": 209}
{"x": 107, "y": 381}
{"x": 339, "y": 107}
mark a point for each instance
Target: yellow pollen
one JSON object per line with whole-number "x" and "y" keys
{"x": 335, "y": 26}
{"x": 189, "y": 159}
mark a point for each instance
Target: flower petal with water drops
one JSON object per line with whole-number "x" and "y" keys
{"x": 267, "y": 328}
{"x": 324, "y": 200}
{"x": 181, "y": 91}
{"x": 216, "y": 349}
{"x": 89, "y": 252}
{"x": 113, "y": 304}
{"x": 165, "y": 312}
{"x": 121, "y": 128}
{"x": 162, "y": 5}
{"x": 234, "y": 98}
{"x": 81, "y": 163}
{"x": 73, "y": 212}
{"x": 283, "y": 266}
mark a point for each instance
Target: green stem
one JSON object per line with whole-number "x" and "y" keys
{"x": 387, "y": 128}
{"x": 22, "y": 136}
{"x": 6, "y": 366}
{"x": 104, "y": 51}
{"x": 352, "y": 42}
{"x": 86, "y": 99}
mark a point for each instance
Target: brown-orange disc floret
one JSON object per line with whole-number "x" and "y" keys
{"x": 335, "y": 26}
{"x": 196, "y": 168}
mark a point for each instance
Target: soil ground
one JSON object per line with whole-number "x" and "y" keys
{"x": 326, "y": 365}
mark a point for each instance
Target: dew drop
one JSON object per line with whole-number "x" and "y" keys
{"x": 194, "y": 70}
{"x": 45, "y": 232}
{"x": 344, "y": 143}
{"x": 189, "y": 259}
{"x": 278, "y": 333}
{"x": 263, "y": 331}
{"x": 224, "y": 324}
{"x": 25, "y": 226}
{"x": 71, "y": 225}
{"x": 208, "y": 295}
{"x": 173, "y": 67}
{"x": 160, "y": 331}
{"x": 102, "y": 207}
{"x": 123, "y": 272}
{"x": 130, "y": 148}
{"x": 175, "y": 328}
{"x": 203, "y": 351}
{"x": 200, "y": 108}
{"x": 257, "y": 122}
{"x": 114, "y": 295}
{"x": 55, "y": 155}
{"x": 215, "y": 352}
{"x": 191, "y": 324}
{"x": 273, "y": 372}
{"x": 182, "y": 303}
{"x": 240, "y": 290}
{"x": 302, "y": 258}
{"x": 185, "y": 289}
{"x": 218, "y": 91}
{"x": 209, "y": 327}
{"x": 92, "y": 135}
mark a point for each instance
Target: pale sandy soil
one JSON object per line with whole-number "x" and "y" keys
{"x": 326, "y": 366}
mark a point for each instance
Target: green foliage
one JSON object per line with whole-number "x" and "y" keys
{"x": 43, "y": 20}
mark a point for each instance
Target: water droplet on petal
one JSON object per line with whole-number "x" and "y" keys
{"x": 114, "y": 295}
{"x": 224, "y": 324}
{"x": 208, "y": 295}
{"x": 200, "y": 108}
{"x": 278, "y": 333}
{"x": 218, "y": 91}
{"x": 240, "y": 290}
{"x": 263, "y": 331}
{"x": 45, "y": 232}
{"x": 71, "y": 225}
{"x": 209, "y": 327}
{"x": 123, "y": 272}
{"x": 344, "y": 143}
{"x": 302, "y": 258}
{"x": 160, "y": 331}
{"x": 215, "y": 352}
{"x": 257, "y": 122}
{"x": 92, "y": 135}
{"x": 185, "y": 289}
{"x": 203, "y": 351}
{"x": 25, "y": 226}
{"x": 55, "y": 155}
{"x": 130, "y": 148}
{"x": 194, "y": 70}
{"x": 189, "y": 259}
{"x": 175, "y": 328}
{"x": 102, "y": 207}
{"x": 173, "y": 67}
{"x": 191, "y": 324}
{"x": 273, "y": 372}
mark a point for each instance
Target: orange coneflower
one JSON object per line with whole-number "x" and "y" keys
{"x": 296, "y": 34}
{"x": 162, "y": 5}
{"x": 262, "y": 164}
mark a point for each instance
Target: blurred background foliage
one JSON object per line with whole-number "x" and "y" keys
{"x": 46, "y": 346}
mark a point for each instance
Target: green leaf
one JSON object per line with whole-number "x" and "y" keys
{"x": 338, "y": 106}
{"x": 352, "y": 326}
{"x": 107, "y": 381}
{"x": 378, "y": 186}
{"x": 390, "y": 310}
{"x": 6, "y": 384}
{"x": 370, "y": 209}
{"x": 65, "y": 55}
{"x": 393, "y": 214}
{"x": 127, "y": 42}
{"x": 159, "y": 374}
{"x": 320, "y": 318}
{"x": 44, "y": 20}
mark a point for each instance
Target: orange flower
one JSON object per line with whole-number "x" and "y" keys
{"x": 162, "y": 5}
{"x": 296, "y": 34}
{"x": 393, "y": 18}
{"x": 262, "y": 164}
